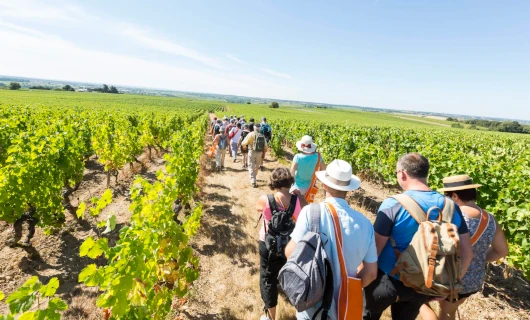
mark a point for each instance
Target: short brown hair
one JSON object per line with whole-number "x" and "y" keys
{"x": 464, "y": 195}
{"x": 415, "y": 165}
{"x": 281, "y": 178}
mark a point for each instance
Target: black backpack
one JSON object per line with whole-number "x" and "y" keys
{"x": 280, "y": 227}
{"x": 259, "y": 143}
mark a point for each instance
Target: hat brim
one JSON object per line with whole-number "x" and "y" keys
{"x": 355, "y": 182}
{"x": 468, "y": 186}
{"x": 308, "y": 150}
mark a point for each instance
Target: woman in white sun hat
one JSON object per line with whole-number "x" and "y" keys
{"x": 305, "y": 165}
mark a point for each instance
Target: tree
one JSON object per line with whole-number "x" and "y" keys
{"x": 248, "y": 102}
{"x": 457, "y": 125}
{"x": 105, "y": 88}
{"x": 274, "y": 105}
{"x": 113, "y": 89}
{"x": 68, "y": 88}
{"x": 14, "y": 86}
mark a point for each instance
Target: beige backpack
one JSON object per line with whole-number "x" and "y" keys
{"x": 431, "y": 263}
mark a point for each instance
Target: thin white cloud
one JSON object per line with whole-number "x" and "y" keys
{"x": 233, "y": 58}
{"x": 26, "y": 52}
{"x": 145, "y": 38}
{"x": 31, "y": 9}
{"x": 275, "y": 73}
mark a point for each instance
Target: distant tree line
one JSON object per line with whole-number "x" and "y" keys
{"x": 105, "y": 89}
{"x": 502, "y": 126}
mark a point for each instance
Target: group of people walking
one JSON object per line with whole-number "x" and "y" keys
{"x": 233, "y": 134}
{"x": 424, "y": 246}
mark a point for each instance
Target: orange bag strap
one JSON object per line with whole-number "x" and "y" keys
{"x": 482, "y": 225}
{"x": 314, "y": 179}
{"x": 342, "y": 304}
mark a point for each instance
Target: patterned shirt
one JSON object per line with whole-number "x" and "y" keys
{"x": 474, "y": 277}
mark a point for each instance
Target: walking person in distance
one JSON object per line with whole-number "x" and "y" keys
{"x": 221, "y": 143}
{"x": 305, "y": 165}
{"x": 244, "y": 149}
{"x": 256, "y": 145}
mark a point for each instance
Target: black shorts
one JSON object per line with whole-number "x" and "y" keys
{"x": 386, "y": 291}
{"x": 464, "y": 295}
{"x": 270, "y": 265}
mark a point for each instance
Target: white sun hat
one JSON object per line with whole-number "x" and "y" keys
{"x": 338, "y": 175}
{"x": 306, "y": 144}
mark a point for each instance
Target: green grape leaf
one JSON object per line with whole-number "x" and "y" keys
{"x": 30, "y": 315}
{"x": 80, "y": 212}
{"x": 91, "y": 275}
{"x": 2, "y": 296}
{"x": 49, "y": 289}
{"x": 86, "y": 246}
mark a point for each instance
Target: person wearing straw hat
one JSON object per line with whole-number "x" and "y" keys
{"x": 487, "y": 238}
{"x": 358, "y": 242}
{"x": 393, "y": 220}
{"x": 305, "y": 165}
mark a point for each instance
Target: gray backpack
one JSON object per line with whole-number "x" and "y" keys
{"x": 307, "y": 277}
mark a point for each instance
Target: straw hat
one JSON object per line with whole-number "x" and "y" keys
{"x": 460, "y": 182}
{"x": 306, "y": 145}
{"x": 338, "y": 175}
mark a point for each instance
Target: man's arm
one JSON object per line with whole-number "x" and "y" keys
{"x": 294, "y": 167}
{"x": 368, "y": 273}
{"x": 290, "y": 248}
{"x": 380, "y": 242}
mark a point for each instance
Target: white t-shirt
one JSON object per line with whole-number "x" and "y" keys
{"x": 358, "y": 242}
{"x": 237, "y": 135}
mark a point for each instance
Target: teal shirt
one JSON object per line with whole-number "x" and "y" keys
{"x": 306, "y": 167}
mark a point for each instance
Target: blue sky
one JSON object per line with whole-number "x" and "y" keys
{"x": 464, "y": 57}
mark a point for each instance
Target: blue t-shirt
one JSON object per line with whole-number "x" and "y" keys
{"x": 393, "y": 220}
{"x": 306, "y": 167}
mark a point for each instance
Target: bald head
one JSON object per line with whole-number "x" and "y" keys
{"x": 415, "y": 165}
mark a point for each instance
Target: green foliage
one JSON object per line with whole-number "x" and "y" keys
{"x": 68, "y": 88}
{"x": 457, "y": 125}
{"x": 152, "y": 261}
{"x": 274, "y": 105}
{"x": 14, "y": 86}
{"x": 32, "y": 291}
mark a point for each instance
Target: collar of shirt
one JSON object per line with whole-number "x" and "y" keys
{"x": 339, "y": 204}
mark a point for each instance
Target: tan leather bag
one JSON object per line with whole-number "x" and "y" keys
{"x": 431, "y": 263}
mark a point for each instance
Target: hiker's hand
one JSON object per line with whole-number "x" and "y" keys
{"x": 296, "y": 192}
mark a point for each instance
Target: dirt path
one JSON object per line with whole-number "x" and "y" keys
{"x": 57, "y": 255}
{"x": 227, "y": 245}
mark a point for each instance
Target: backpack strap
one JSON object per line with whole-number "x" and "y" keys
{"x": 314, "y": 213}
{"x": 448, "y": 210}
{"x": 272, "y": 203}
{"x": 327, "y": 299}
{"x": 482, "y": 225}
{"x": 412, "y": 207}
{"x": 292, "y": 205}
{"x": 415, "y": 211}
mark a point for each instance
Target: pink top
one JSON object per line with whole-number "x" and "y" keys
{"x": 267, "y": 215}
